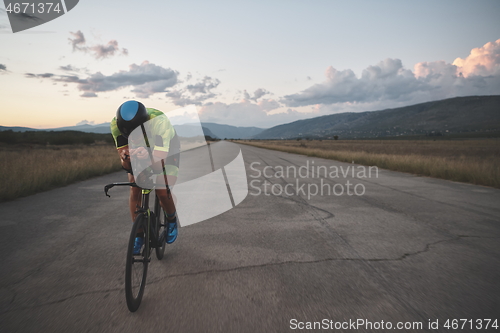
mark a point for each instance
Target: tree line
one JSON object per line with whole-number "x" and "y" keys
{"x": 53, "y": 137}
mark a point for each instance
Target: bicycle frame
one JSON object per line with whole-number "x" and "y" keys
{"x": 144, "y": 208}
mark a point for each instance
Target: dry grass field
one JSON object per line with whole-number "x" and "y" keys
{"x": 471, "y": 161}
{"x": 25, "y": 169}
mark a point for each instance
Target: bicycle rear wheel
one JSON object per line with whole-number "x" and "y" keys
{"x": 136, "y": 268}
{"x": 161, "y": 224}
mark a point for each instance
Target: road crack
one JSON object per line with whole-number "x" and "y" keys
{"x": 239, "y": 268}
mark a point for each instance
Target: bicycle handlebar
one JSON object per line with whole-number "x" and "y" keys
{"x": 109, "y": 186}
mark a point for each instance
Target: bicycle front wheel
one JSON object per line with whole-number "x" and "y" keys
{"x": 136, "y": 268}
{"x": 161, "y": 225}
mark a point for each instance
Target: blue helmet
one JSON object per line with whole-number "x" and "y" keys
{"x": 130, "y": 115}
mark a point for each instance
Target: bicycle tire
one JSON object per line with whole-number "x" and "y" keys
{"x": 136, "y": 268}
{"x": 161, "y": 224}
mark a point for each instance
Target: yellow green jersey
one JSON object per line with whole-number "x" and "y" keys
{"x": 162, "y": 138}
{"x": 162, "y": 129}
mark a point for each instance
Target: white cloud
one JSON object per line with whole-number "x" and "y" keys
{"x": 78, "y": 41}
{"x": 481, "y": 61}
{"x": 85, "y": 122}
{"x": 146, "y": 79}
{"x": 68, "y": 68}
{"x": 387, "y": 80}
{"x": 246, "y": 113}
{"x": 246, "y": 95}
{"x": 88, "y": 94}
{"x": 99, "y": 51}
{"x": 40, "y": 76}
{"x": 268, "y": 104}
{"x": 204, "y": 86}
{"x": 389, "y": 83}
{"x": 108, "y": 50}
{"x": 196, "y": 93}
{"x": 260, "y": 92}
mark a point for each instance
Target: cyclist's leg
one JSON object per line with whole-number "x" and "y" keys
{"x": 134, "y": 202}
{"x": 167, "y": 201}
{"x": 135, "y": 197}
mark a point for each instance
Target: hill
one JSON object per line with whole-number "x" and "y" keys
{"x": 232, "y": 132}
{"x": 100, "y": 128}
{"x": 52, "y": 137}
{"x": 454, "y": 115}
{"x": 187, "y": 130}
{"x": 17, "y": 129}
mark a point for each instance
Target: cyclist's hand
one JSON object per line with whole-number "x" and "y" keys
{"x": 140, "y": 153}
{"x": 144, "y": 179}
{"x": 124, "y": 153}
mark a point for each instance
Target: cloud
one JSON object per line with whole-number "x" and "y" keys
{"x": 3, "y": 68}
{"x": 67, "y": 79}
{"x": 146, "y": 79}
{"x": 256, "y": 95}
{"x": 85, "y": 122}
{"x": 481, "y": 61}
{"x": 259, "y": 93}
{"x": 40, "y": 76}
{"x": 246, "y": 95}
{"x": 268, "y": 104}
{"x": 179, "y": 99}
{"x": 78, "y": 42}
{"x": 195, "y": 94}
{"x": 68, "y": 68}
{"x": 71, "y": 68}
{"x": 99, "y": 51}
{"x": 108, "y": 50}
{"x": 246, "y": 113}
{"x": 390, "y": 82}
{"x": 386, "y": 80}
{"x": 204, "y": 86}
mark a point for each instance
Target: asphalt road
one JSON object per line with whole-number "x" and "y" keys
{"x": 410, "y": 249}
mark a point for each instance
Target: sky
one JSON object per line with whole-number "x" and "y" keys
{"x": 246, "y": 63}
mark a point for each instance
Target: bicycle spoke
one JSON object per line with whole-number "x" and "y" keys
{"x": 136, "y": 267}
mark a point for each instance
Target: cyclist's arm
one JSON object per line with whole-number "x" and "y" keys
{"x": 163, "y": 132}
{"x": 121, "y": 144}
{"x": 158, "y": 156}
{"x": 124, "y": 157}
{"x": 141, "y": 153}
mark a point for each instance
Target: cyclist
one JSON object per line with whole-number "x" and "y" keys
{"x": 129, "y": 116}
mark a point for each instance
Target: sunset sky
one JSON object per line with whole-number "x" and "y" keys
{"x": 254, "y": 63}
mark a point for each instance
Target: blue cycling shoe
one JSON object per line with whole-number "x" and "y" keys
{"x": 171, "y": 232}
{"x": 139, "y": 242}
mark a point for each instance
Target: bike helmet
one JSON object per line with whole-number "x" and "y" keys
{"x": 130, "y": 115}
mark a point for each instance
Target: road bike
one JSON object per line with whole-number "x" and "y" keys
{"x": 153, "y": 224}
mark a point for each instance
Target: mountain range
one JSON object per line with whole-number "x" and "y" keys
{"x": 186, "y": 130}
{"x": 454, "y": 115}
